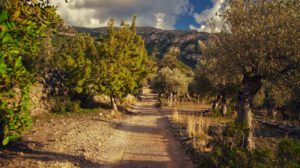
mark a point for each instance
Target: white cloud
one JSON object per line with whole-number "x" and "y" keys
{"x": 202, "y": 28}
{"x": 208, "y": 14}
{"x": 160, "y": 20}
{"x": 96, "y": 13}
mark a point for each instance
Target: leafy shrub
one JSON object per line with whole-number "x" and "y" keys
{"x": 216, "y": 113}
{"x": 289, "y": 153}
{"x": 63, "y": 105}
{"x": 171, "y": 82}
{"x": 261, "y": 158}
{"x": 229, "y": 150}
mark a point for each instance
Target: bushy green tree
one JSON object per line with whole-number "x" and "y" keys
{"x": 170, "y": 82}
{"x": 122, "y": 62}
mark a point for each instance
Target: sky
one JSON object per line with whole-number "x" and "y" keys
{"x": 163, "y": 14}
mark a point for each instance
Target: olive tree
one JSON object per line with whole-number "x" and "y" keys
{"x": 170, "y": 82}
{"x": 258, "y": 41}
{"x": 213, "y": 86}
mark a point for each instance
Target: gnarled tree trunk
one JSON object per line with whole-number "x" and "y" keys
{"x": 113, "y": 103}
{"x": 251, "y": 85}
{"x": 223, "y": 105}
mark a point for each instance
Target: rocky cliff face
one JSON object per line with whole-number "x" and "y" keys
{"x": 182, "y": 43}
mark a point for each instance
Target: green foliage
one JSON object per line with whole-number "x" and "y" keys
{"x": 172, "y": 62}
{"x": 279, "y": 96}
{"x": 229, "y": 149}
{"x": 289, "y": 153}
{"x": 255, "y": 37}
{"x": 216, "y": 113}
{"x": 63, "y": 105}
{"x": 114, "y": 65}
{"x": 219, "y": 89}
{"x": 122, "y": 62}
{"x": 19, "y": 27}
{"x": 77, "y": 65}
{"x": 202, "y": 84}
{"x": 170, "y": 81}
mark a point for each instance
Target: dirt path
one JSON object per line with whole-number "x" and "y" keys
{"x": 141, "y": 141}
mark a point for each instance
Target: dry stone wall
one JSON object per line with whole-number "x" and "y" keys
{"x": 50, "y": 84}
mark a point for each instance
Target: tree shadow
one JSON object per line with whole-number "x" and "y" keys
{"x": 193, "y": 112}
{"x": 142, "y": 164}
{"x": 14, "y": 149}
{"x": 129, "y": 127}
{"x": 267, "y": 130}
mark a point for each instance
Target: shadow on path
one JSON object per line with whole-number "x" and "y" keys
{"x": 15, "y": 148}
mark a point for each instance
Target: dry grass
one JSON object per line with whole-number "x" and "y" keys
{"x": 197, "y": 128}
{"x": 175, "y": 115}
{"x": 189, "y": 106}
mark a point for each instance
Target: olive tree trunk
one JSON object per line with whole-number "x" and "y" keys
{"x": 251, "y": 86}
